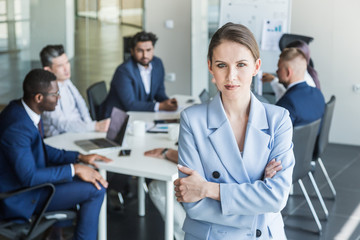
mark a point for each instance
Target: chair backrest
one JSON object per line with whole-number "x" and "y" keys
{"x": 287, "y": 38}
{"x": 127, "y": 47}
{"x": 96, "y": 94}
{"x": 323, "y": 138}
{"x": 27, "y": 230}
{"x": 304, "y": 138}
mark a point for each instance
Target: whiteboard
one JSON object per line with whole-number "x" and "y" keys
{"x": 252, "y": 14}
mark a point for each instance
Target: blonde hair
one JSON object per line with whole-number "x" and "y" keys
{"x": 295, "y": 58}
{"x": 289, "y": 54}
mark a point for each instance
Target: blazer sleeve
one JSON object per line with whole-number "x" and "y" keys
{"x": 60, "y": 157}
{"x": 241, "y": 199}
{"x": 124, "y": 87}
{"x": 23, "y": 159}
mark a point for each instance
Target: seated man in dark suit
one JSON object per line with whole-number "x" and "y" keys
{"x": 26, "y": 161}
{"x": 138, "y": 83}
{"x": 305, "y": 104}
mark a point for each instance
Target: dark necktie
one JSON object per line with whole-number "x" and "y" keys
{"x": 41, "y": 129}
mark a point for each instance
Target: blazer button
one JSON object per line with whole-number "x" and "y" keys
{"x": 216, "y": 174}
{"x": 258, "y": 233}
{"x": 33, "y": 201}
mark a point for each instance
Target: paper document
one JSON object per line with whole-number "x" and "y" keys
{"x": 271, "y": 34}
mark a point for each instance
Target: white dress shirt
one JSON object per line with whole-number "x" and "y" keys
{"x": 36, "y": 119}
{"x": 145, "y": 74}
{"x": 280, "y": 90}
{"x": 71, "y": 113}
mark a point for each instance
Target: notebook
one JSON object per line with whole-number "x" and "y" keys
{"x": 114, "y": 137}
{"x": 204, "y": 96}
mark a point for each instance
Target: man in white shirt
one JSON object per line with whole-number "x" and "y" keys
{"x": 138, "y": 83}
{"x": 71, "y": 114}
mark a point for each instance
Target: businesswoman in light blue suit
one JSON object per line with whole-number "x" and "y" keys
{"x": 225, "y": 145}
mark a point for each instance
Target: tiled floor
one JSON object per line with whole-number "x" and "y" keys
{"x": 99, "y": 50}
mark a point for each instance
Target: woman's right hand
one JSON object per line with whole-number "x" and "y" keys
{"x": 272, "y": 168}
{"x": 267, "y": 77}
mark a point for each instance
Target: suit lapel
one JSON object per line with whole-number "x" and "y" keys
{"x": 257, "y": 139}
{"x": 223, "y": 140}
{"x": 138, "y": 81}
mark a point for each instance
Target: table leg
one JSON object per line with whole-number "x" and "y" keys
{"x": 141, "y": 196}
{"x": 102, "y": 232}
{"x": 169, "y": 213}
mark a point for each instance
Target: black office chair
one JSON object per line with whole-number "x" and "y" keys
{"x": 287, "y": 38}
{"x": 96, "y": 94}
{"x": 127, "y": 47}
{"x": 38, "y": 224}
{"x": 323, "y": 139}
{"x": 304, "y": 139}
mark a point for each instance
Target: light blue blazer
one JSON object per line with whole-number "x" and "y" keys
{"x": 249, "y": 204}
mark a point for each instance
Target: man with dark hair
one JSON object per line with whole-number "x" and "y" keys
{"x": 71, "y": 114}
{"x": 138, "y": 83}
{"x": 304, "y": 103}
{"x": 26, "y": 161}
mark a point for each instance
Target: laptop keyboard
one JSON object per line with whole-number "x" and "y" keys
{"x": 102, "y": 143}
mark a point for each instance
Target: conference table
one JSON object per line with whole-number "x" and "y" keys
{"x": 136, "y": 164}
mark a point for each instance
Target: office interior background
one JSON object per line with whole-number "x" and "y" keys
{"x": 92, "y": 32}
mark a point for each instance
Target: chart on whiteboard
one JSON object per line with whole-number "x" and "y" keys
{"x": 267, "y": 19}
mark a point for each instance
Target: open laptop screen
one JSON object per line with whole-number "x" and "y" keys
{"x": 117, "y": 128}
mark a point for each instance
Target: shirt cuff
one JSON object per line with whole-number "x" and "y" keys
{"x": 156, "y": 107}
{"x": 274, "y": 81}
{"x": 72, "y": 170}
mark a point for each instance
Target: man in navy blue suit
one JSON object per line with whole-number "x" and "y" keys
{"x": 138, "y": 83}
{"x": 26, "y": 161}
{"x": 304, "y": 103}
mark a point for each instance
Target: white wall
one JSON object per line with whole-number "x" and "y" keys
{"x": 174, "y": 45}
{"x": 51, "y": 22}
{"x": 199, "y": 46}
{"x": 336, "y": 55}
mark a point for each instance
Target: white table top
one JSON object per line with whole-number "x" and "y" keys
{"x": 136, "y": 164}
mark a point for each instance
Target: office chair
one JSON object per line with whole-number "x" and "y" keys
{"x": 304, "y": 139}
{"x": 96, "y": 94}
{"x": 287, "y": 38}
{"x": 127, "y": 47}
{"x": 38, "y": 224}
{"x": 323, "y": 140}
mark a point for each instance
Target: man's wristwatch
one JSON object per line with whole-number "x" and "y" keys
{"x": 163, "y": 153}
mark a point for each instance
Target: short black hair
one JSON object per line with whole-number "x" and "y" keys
{"x": 37, "y": 81}
{"x": 49, "y": 52}
{"x": 143, "y": 37}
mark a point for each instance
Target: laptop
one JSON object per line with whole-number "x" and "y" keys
{"x": 114, "y": 137}
{"x": 204, "y": 96}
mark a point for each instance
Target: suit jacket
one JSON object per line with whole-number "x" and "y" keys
{"x": 127, "y": 91}
{"x": 248, "y": 202}
{"x": 23, "y": 162}
{"x": 305, "y": 104}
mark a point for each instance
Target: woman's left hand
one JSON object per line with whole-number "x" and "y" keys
{"x": 190, "y": 188}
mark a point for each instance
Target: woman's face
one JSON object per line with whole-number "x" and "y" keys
{"x": 233, "y": 67}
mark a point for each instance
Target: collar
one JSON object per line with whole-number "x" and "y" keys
{"x": 294, "y": 83}
{"x": 63, "y": 83}
{"x": 144, "y": 69}
{"x": 33, "y": 115}
{"x": 217, "y": 115}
